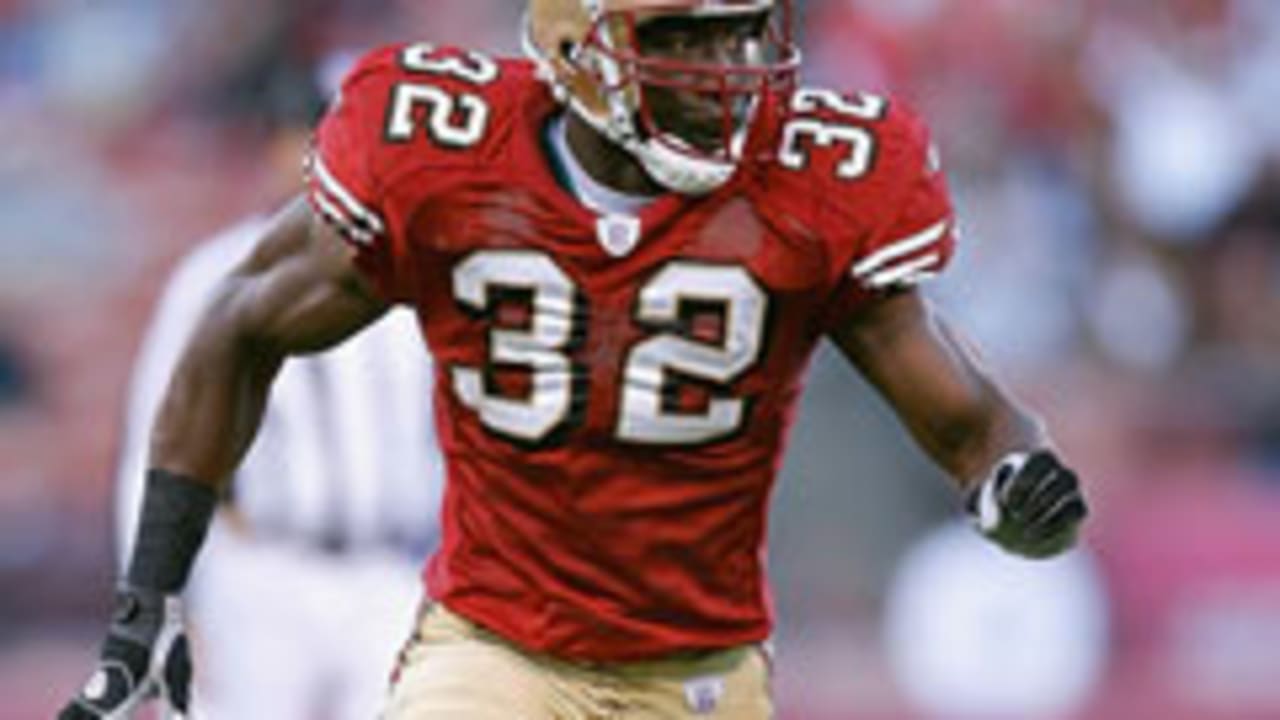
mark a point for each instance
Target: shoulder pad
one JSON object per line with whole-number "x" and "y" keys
{"x": 403, "y": 107}
{"x": 848, "y": 136}
{"x": 885, "y": 208}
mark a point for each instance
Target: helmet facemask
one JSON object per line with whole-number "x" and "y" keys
{"x": 676, "y": 84}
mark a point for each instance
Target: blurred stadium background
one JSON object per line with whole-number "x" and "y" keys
{"x": 1117, "y": 168}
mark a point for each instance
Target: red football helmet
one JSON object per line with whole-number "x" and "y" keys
{"x": 601, "y": 59}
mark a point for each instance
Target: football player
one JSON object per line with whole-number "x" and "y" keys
{"x": 622, "y": 252}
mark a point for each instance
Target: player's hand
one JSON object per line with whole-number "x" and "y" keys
{"x": 1030, "y": 505}
{"x": 144, "y": 655}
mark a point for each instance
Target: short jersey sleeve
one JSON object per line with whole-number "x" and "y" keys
{"x": 347, "y": 163}
{"x": 914, "y": 237}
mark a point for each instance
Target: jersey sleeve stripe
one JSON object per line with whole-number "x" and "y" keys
{"x": 906, "y": 273}
{"x": 878, "y": 260}
{"x": 335, "y": 217}
{"x": 353, "y": 207}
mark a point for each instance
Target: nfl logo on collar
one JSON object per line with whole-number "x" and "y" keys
{"x": 618, "y": 234}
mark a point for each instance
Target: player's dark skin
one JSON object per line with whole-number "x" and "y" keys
{"x": 300, "y": 292}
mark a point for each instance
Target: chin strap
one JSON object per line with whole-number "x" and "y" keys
{"x": 679, "y": 172}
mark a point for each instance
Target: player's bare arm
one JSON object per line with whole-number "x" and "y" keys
{"x": 996, "y": 451}
{"x": 949, "y": 405}
{"x": 298, "y": 292}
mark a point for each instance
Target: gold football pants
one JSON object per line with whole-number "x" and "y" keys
{"x": 453, "y": 670}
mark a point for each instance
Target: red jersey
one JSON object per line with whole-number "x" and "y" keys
{"x": 614, "y": 393}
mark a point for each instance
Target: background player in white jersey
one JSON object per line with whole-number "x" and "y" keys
{"x": 333, "y": 510}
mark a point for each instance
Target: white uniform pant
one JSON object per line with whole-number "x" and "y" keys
{"x": 284, "y": 632}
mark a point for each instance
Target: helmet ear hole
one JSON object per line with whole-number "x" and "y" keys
{"x": 568, "y": 49}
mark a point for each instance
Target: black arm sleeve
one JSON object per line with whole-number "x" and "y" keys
{"x": 176, "y": 511}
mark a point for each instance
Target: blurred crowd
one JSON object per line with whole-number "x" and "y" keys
{"x": 1118, "y": 170}
{"x": 1116, "y": 166}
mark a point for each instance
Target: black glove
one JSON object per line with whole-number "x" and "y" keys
{"x": 145, "y": 655}
{"x": 1030, "y": 505}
